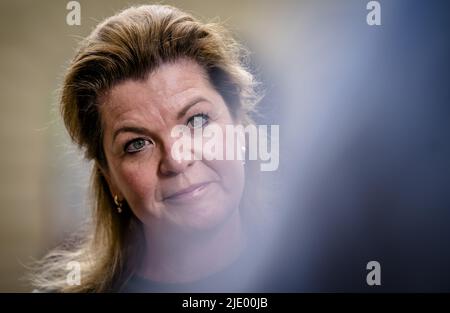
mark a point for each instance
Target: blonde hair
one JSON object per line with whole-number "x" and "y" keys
{"x": 130, "y": 45}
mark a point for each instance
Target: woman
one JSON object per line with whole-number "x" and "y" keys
{"x": 160, "y": 223}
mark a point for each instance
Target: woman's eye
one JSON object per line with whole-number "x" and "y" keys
{"x": 198, "y": 120}
{"x": 136, "y": 145}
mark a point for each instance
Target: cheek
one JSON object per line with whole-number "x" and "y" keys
{"x": 137, "y": 182}
{"x": 232, "y": 175}
{"x": 231, "y": 171}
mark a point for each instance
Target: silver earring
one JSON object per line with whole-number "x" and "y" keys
{"x": 243, "y": 154}
{"x": 118, "y": 204}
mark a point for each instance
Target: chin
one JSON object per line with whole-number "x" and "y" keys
{"x": 212, "y": 208}
{"x": 202, "y": 218}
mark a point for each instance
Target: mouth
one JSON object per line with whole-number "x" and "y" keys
{"x": 192, "y": 192}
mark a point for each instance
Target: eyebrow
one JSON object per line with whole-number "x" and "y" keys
{"x": 143, "y": 131}
{"x": 190, "y": 104}
{"x": 129, "y": 129}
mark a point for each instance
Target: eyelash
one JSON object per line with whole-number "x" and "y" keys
{"x": 202, "y": 115}
{"x": 129, "y": 143}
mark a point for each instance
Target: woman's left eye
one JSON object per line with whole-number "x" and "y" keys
{"x": 198, "y": 120}
{"x": 136, "y": 145}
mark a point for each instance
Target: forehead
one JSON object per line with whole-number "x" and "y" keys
{"x": 159, "y": 95}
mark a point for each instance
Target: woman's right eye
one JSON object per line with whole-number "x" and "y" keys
{"x": 136, "y": 145}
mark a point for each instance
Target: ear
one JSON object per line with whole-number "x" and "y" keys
{"x": 110, "y": 181}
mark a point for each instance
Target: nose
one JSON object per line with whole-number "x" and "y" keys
{"x": 171, "y": 166}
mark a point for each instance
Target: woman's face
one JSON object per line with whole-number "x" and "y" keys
{"x": 138, "y": 117}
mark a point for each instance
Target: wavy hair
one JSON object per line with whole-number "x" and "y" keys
{"x": 130, "y": 45}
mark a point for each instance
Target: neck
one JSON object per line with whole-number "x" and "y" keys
{"x": 177, "y": 256}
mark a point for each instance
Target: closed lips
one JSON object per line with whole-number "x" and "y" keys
{"x": 187, "y": 191}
